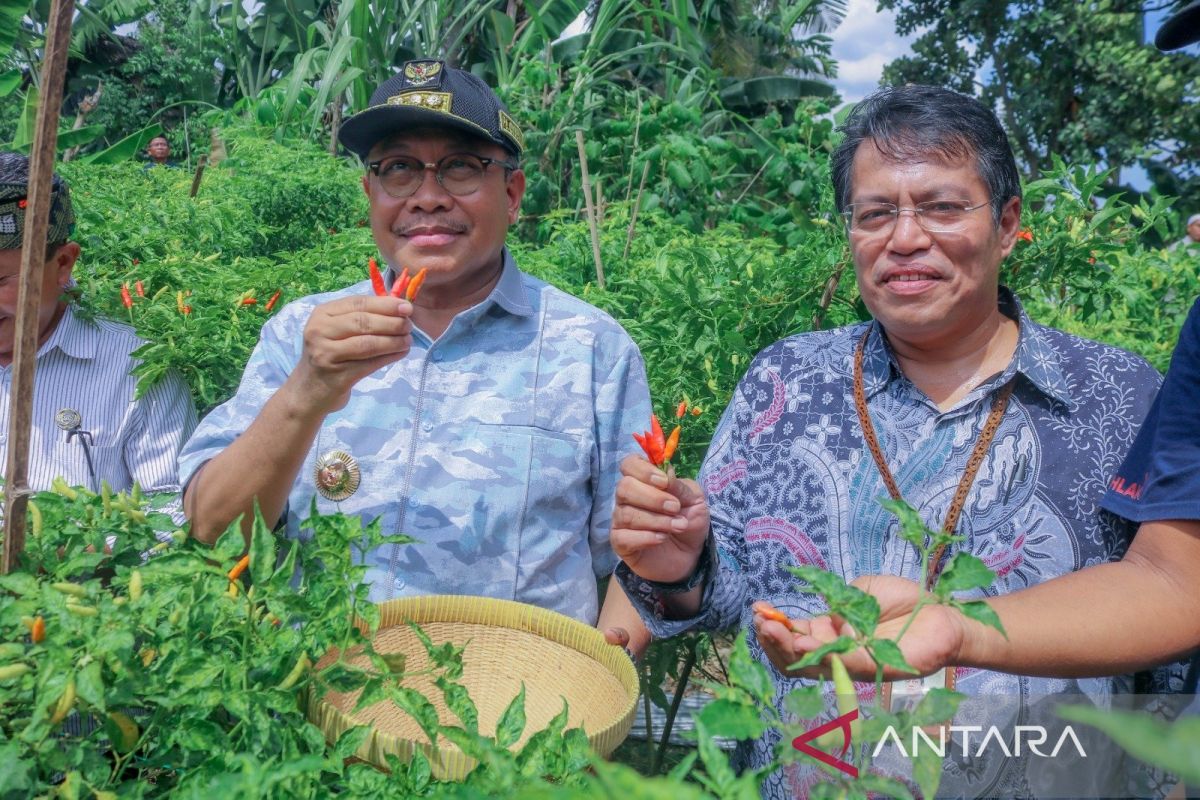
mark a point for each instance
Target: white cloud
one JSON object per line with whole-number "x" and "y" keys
{"x": 865, "y": 42}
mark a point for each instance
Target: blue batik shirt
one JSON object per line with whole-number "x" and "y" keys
{"x": 789, "y": 481}
{"x": 497, "y": 445}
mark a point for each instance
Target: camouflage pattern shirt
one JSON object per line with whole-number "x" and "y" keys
{"x": 496, "y": 446}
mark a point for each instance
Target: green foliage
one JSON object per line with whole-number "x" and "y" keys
{"x": 183, "y": 686}
{"x": 1172, "y": 746}
{"x": 1073, "y": 80}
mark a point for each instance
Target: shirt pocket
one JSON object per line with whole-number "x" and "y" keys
{"x": 69, "y": 460}
{"x": 549, "y": 493}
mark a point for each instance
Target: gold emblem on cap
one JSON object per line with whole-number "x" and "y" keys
{"x": 437, "y": 101}
{"x": 512, "y": 130}
{"x": 337, "y": 475}
{"x": 67, "y": 419}
{"x": 419, "y": 72}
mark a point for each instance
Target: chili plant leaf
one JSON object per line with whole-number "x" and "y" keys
{"x": 980, "y": 611}
{"x": 927, "y": 770}
{"x": 887, "y": 653}
{"x": 732, "y": 720}
{"x": 937, "y": 706}
{"x": 746, "y": 672}
{"x": 349, "y": 742}
{"x": 964, "y": 572}
{"x": 459, "y": 702}
{"x": 231, "y": 544}
{"x": 419, "y": 708}
{"x": 805, "y": 702}
{"x": 857, "y": 607}
{"x": 512, "y": 722}
{"x": 842, "y": 644}
{"x": 262, "y": 549}
{"x": 1171, "y": 746}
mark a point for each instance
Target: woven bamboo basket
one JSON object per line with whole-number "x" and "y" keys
{"x": 506, "y": 644}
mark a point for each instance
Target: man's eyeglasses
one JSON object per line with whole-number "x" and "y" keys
{"x": 934, "y": 216}
{"x": 458, "y": 173}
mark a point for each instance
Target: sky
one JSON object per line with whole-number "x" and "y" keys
{"x": 865, "y": 42}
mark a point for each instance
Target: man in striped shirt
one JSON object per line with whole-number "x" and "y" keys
{"x": 87, "y": 425}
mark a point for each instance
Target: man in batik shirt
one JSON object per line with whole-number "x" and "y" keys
{"x": 950, "y": 367}
{"x": 486, "y": 418}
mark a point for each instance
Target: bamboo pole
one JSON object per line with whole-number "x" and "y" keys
{"x": 33, "y": 256}
{"x": 591, "y": 211}
{"x": 637, "y": 203}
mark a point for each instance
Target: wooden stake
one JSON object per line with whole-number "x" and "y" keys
{"x": 591, "y": 211}
{"x": 637, "y": 203}
{"x": 29, "y": 293}
{"x": 198, "y": 176}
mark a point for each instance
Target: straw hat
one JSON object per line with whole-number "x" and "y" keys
{"x": 507, "y": 644}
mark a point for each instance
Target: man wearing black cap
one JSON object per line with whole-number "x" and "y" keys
{"x": 485, "y": 418}
{"x": 1106, "y": 619}
{"x": 87, "y": 425}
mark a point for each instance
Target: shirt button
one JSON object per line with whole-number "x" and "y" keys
{"x": 438, "y": 358}
{"x": 399, "y": 583}
{"x": 427, "y": 426}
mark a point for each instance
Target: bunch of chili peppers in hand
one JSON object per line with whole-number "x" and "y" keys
{"x": 404, "y": 286}
{"x": 659, "y": 449}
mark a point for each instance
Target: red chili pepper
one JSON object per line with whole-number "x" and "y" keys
{"x": 239, "y": 567}
{"x": 141, "y": 290}
{"x": 1025, "y": 235}
{"x": 376, "y": 278}
{"x": 681, "y": 410}
{"x": 652, "y": 441}
{"x": 400, "y": 284}
{"x": 22, "y": 203}
{"x": 136, "y": 262}
{"x": 415, "y": 286}
{"x": 37, "y": 631}
{"x": 249, "y": 301}
{"x": 126, "y": 299}
{"x": 274, "y": 299}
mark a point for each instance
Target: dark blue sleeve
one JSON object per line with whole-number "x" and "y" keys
{"x": 1160, "y": 478}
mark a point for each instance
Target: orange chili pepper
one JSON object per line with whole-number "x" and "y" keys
{"x": 415, "y": 286}
{"x": 376, "y": 278}
{"x": 672, "y": 444}
{"x": 274, "y": 299}
{"x": 37, "y": 631}
{"x": 239, "y": 567}
{"x": 126, "y": 299}
{"x": 400, "y": 284}
{"x": 249, "y": 301}
{"x": 1025, "y": 235}
{"x": 141, "y": 290}
{"x": 679, "y": 412}
{"x": 768, "y": 611}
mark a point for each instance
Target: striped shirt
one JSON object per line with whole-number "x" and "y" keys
{"x": 85, "y": 366}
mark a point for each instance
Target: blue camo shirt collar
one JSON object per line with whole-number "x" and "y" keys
{"x": 509, "y": 292}
{"x": 1036, "y": 359}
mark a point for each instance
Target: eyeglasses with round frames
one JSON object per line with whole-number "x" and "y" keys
{"x": 458, "y": 173}
{"x": 934, "y": 216}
